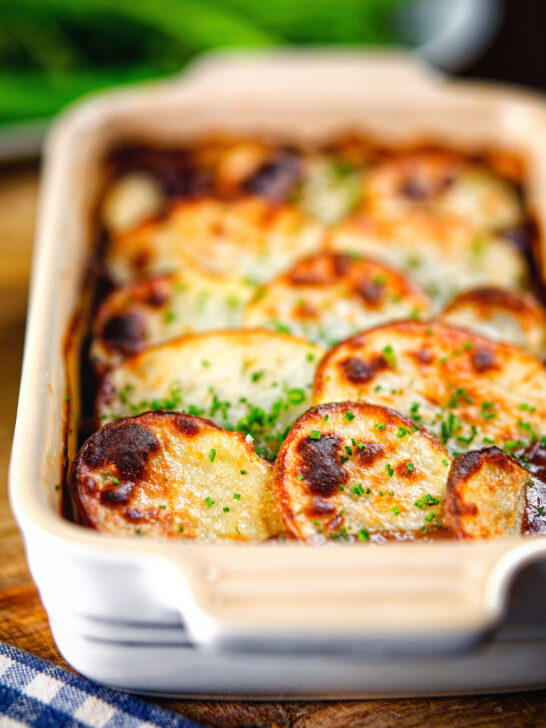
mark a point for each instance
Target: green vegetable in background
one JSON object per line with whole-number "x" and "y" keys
{"x": 52, "y": 51}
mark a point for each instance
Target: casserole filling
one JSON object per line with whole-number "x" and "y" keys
{"x": 332, "y": 343}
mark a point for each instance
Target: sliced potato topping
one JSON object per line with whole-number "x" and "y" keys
{"x": 174, "y": 476}
{"x": 330, "y": 296}
{"x": 245, "y": 238}
{"x": 467, "y": 390}
{"x": 501, "y": 314}
{"x": 352, "y": 468}
{"x": 330, "y": 188}
{"x": 443, "y": 255}
{"x": 486, "y": 495}
{"x": 154, "y": 310}
{"x": 130, "y": 200}
{"x": 229, "y": 162}
{"x": 443, "y": 183}
{"x": 256, "y": 382}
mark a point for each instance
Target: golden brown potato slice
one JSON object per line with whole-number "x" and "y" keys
{"x": 442, "y": 255}
{"x": 502, "y": 314}
{"x": 176, "y": 476}
{"x": 467, "y": 390}
{"x": 443, "y": 183}
{"x": 349, "y": 469}
{"x": 142, "y": 314}
{"x": 485, "y": 495}
{"x": 130, "y": 200}
{"x": 331, "y": 296}
{"x": 239, "y": 165}
{"x": 246, "y": 238}
{"x": 256, "y": 382}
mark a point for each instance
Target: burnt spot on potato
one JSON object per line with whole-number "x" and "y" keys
{"x": 320, "y": 465}
{"x": 276, "y": 178}
{"x": 368, "y": 452}
{"x": 188, "y": 425}
{"x": 419, "y": 189}
{"x": 126, "y": 446}
{"x": 124, "y": 332}
{"x": 320, "y": 507}
{"x": 359, "y": 370}
{"x": 117, "y": 494}
{"x": 483, "y": 359}
{"x": 369, "y": 291}
{"x": 423, "y": 355}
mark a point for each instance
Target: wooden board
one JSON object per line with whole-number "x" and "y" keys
{"x": 23, "y": 622}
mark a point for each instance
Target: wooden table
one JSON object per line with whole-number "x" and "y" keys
{"x": 23, "y": 622}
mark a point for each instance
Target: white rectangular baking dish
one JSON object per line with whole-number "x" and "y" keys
{"x": 176, "y": 618}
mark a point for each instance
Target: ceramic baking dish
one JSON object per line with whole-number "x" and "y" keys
{"x": 400, "y": 619}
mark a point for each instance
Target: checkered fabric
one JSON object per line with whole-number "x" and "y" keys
{"x": 36, "y": 693}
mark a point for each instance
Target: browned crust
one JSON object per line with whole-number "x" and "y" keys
{"x": 279, "y": 472}
{"x": 127, "y": 444}
{"x": 118, "y": 325}
{"x": 483, "y": 355}
{"x": 501, "y": 297}
{"x": 327, "y": 267}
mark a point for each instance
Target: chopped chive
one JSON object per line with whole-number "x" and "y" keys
{"x": 295, "y": 396}
{"x": 396, "y": 510}
{"x": 358, "y": 489}
{"x": 314, "y": 435}
{"x": 363, "y": 534}
{"x": 430, "y": 500}
{"x": 390, "y": 356}
{"x": 237, "y": 496}
{"x": 208, "y": 500}
{"x": 225, "y": 509}
{"x": 349, "y": 416}
{"x": 212, "y": 454}
{"x": 299, "y": 476}
{"x": 390, "y": 471}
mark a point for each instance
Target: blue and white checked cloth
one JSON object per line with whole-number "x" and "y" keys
{"x": 36, "y": 693}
